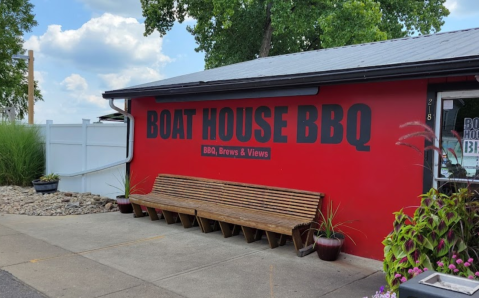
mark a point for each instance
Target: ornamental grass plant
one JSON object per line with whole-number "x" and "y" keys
{"x": 22, "y": 154}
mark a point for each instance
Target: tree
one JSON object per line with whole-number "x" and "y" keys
{"x": 16, "y": 18}
{"x": 231, "y": 31}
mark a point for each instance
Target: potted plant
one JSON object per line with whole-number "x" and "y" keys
{"x": 126, "y": 188}
{"x": 329, "y": 237}
{"x": 47, "y": 183}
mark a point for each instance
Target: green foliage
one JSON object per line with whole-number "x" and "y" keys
{"x": 231, "y": 31}
{"x": 328, "y": 227}
{"x": 16, "y": 18}
{"x": 443, "y": 228}
{"x": 126, "y": 187}
{"x": 50, "y": 177}
{"x": 22, "y": 156}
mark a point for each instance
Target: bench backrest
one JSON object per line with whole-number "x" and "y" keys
{"x": 288, "y": 202}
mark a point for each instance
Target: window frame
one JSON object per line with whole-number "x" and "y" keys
{"x": 441, "y": 96}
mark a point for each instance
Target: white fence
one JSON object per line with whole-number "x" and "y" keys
{"x": 72, "y": 148}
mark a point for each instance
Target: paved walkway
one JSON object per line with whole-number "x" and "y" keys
{"x": 115, "y": 255}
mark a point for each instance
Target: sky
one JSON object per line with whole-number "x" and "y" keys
{"x": 83, "y": 48}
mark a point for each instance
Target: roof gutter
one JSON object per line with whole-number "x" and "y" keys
{"x": 120, "y": 162}
{"x": 430, "y": 69}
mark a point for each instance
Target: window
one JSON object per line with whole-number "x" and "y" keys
{"x": 457, "y": 112}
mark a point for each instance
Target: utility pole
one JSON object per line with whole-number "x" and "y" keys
{"x": 31, "y": 86}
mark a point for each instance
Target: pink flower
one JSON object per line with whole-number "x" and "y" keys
{"x": 470, "y": 260}
{"x": 470, "y": 277}
{"x": 410, "y": 271}
{"x": 403, "y": 279}
{"x": 477, "y": 273}
{"x": 456, "y": 270}
{"x": 467, "y": 264}
{"x": 397, "y": 275}
{"x": 440, "y": 264}
{"x": 454, "y": 256}
{"x": 452, "y": 267}
{"x": 459, "y": 261}
{"x": 425, "y": 269}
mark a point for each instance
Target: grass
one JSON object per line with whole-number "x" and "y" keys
{"x": 22, "y": 154}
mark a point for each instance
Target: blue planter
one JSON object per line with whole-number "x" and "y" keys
{"x": 45, "y": 187}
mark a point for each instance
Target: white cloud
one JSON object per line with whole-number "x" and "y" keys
{"x": 451, "y": 5}
{"x": 463, "y": 8}
{"x": 130, "y": 77}
{"x": 96, "y": 100}
{"x": 107, "y": 44}
{"x": 40, "y": 77}
{"x": 128, "y": 8}
{"x": 74, "y": 82}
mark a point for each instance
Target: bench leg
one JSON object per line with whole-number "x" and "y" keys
{"x": 258, "y": 235}
{"x": 225, "y": 229}
{"x": 216, "y": 226}
{"x": 236, "y": 230}
{"x": 177, "y": 218}
{"x": 205, "y": 224}
{"x": 185, "y": 220}
{"x": 194, "y": 221}
{"x": 248, "y": 234}
{"x": 198, "y": 220}
{"x": 152, "y": 213}
{"x": 309, "y": 238}
{"x": 137, "y": 210}
{"x": 298, "y": 243}
{"x": 168, "y": 217}
{"x": 282, "y": 239}
{"x": 272, "y": 239}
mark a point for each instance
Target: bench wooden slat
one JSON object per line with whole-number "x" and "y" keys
{"x": 231, "y": 205}
{"x": 245, "y": 184}
{"x": 308, "y": 196}
{"x": 260, "y": 201}
{"x": 239, "y": 200}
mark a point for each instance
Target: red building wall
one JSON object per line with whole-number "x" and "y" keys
{"x": 347, "y": 150}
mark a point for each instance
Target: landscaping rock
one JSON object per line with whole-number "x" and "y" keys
{"x": 24, "y": 200}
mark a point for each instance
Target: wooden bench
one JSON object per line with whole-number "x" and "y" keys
{"x": 232, "y": 207}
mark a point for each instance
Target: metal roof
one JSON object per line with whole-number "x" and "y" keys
{"x": 449, "y": 53}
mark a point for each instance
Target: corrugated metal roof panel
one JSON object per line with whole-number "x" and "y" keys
{"x": 426, "y": 48}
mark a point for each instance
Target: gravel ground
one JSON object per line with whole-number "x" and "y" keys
{"x": 24, "y": 200}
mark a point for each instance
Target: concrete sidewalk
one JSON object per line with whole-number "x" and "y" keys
{"x": 116, "y": 255}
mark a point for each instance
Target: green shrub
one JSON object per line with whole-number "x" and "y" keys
{"x": 441, "y": 236}
{"x": 22, "y": 155}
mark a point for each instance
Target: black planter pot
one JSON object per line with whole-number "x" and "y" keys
{"x": 328, "y": 249}
{"x": 124, "y": 205}
{"x": 45, "y": 187}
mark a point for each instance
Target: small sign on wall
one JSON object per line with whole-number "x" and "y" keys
{"x": 471, "y": 147}
{"x": 236, "y": 152}
{"x": 471, "y": 136}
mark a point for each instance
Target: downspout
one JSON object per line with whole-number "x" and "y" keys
{"x": 130, "y": 147}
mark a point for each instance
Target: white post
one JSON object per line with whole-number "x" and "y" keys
{"x": 85, "y": 123}
{"x": 47, "y": 146}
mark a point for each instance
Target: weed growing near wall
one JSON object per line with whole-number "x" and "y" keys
{"x": 22, "y": 155}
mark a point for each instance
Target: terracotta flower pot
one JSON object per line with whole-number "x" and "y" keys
{"x": 124, "y": 204}
{"x": 328, "y": 249}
